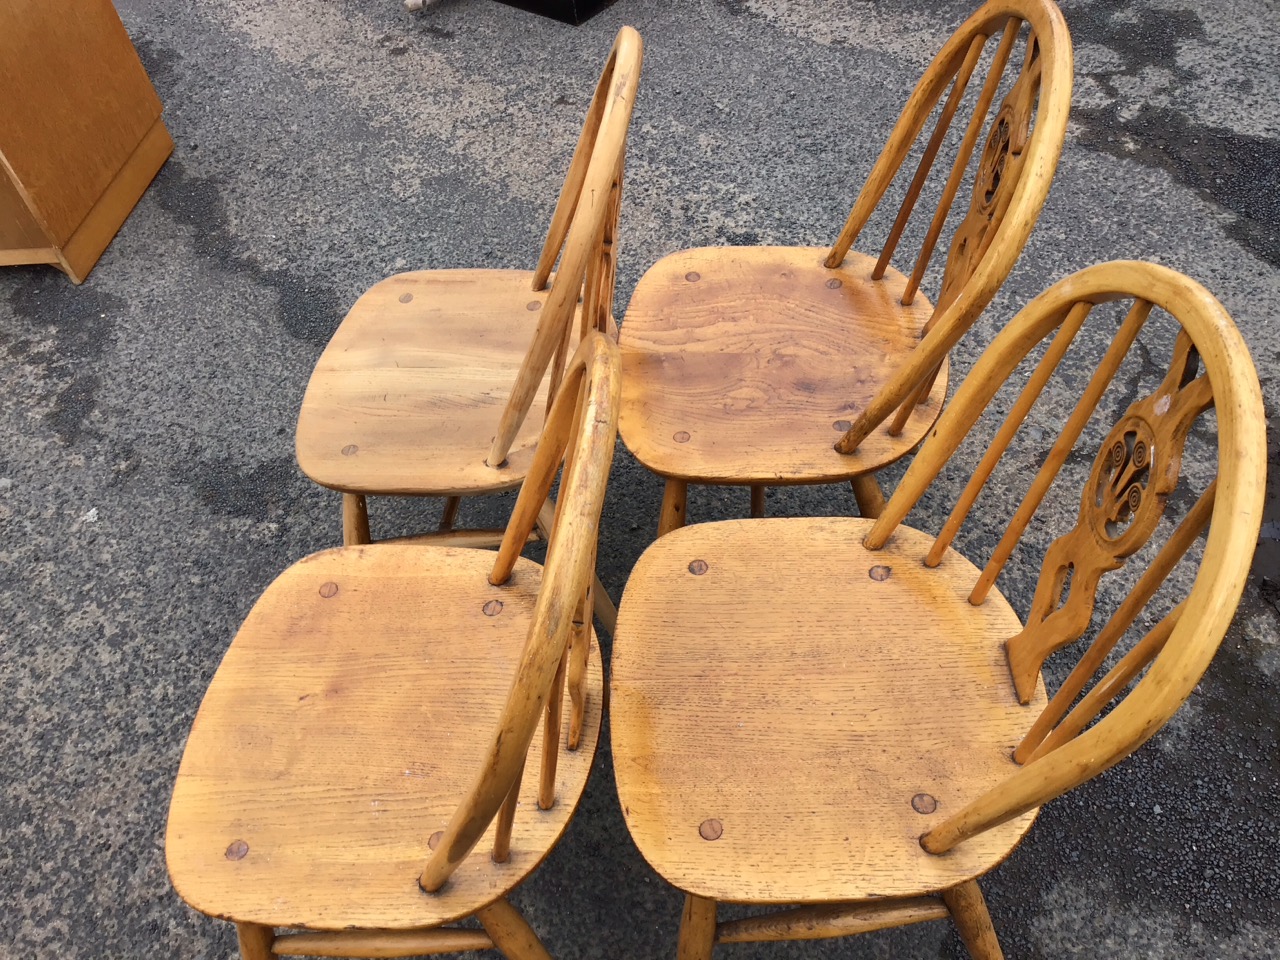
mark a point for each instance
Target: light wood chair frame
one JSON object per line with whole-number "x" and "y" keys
{"x": 1076, "y": 737}
{"x": 583, "y": 237}
{"x": 1234, "y": 501}
{"x": 987, "y": 244}
{"x": 579, "y": 434}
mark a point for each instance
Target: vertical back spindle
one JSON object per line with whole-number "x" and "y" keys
{"x": 1113, "y": 684}
{"x": 551, "y": 737}
{"x": 980, "y": 110}
{"x": 958, "y": 86}
{"x": 1080, "y": 416}
{"x": 506, "y": 821}
{"x": 579, "y": 658}
{"x": 1008, "y": 429}
{"x": 567, "y": 203}
{"x": 914, "y": 115}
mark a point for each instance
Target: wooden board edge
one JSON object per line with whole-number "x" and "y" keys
{"x": 100, "y": 225}
{"x": 17, "y": 258}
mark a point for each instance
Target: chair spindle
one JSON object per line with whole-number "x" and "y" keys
{"x": 1008, "y": 429}
{"x": 551, "y": 737}
{"x": 1113, "y": 684}
{"x": 965, "y": 151}
{"x": 1098, "y": 384}
{"x": 506, "y": 820}
{"x": 949, "y": 108}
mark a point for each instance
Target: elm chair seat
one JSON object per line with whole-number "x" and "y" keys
{"x": 340, "y": 732}
{"x": 887, "y": 707}
{"x": 715, "y": 389}
{"x": 408, "y": 393}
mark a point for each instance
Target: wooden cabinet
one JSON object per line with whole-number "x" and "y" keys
{"x": 80, "y": 132}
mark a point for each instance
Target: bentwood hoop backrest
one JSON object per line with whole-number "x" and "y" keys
{"x": 1133, "y": 475}
{"x": 582, "y": 235}
{"x": 580, "y": 431}
{"x": 1011, "y": 181}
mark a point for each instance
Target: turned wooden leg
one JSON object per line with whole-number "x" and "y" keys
{"x": 552, "y": 715}
{"x": 510, "y": 932}
{"x": 869, "y": 496}
{"x": 255, "y": 941}
{"x": 450, "y": 514}
{"x": 757, "y": 500}
{"x": 969, "y": 913}
{"x": 697, "y": 929}
{"x": 355, "y": 520}
{"x": 604, "y": 608}
{"x": 579, "y": 660}
{"x": 674, "y": 498}
{"x": 546, "y": 519}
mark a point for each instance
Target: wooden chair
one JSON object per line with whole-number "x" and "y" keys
{"x": 846, "y": 715}
{"x": 433, "y": 385}
{"x": 370, "y": 690}
{"x": 743, "y": 365}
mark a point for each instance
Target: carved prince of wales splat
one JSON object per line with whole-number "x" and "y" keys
{"x": 1001, "y": 164}
{"x": 1132, "y": 477}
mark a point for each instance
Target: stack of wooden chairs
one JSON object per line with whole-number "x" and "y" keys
{"x": 842, "y": 718}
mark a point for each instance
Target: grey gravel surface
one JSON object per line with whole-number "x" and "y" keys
{"x": 148, "y": 491}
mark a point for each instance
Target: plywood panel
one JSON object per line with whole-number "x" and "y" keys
{"x": 76, "y": 103}
{"x": 18, "y": 229}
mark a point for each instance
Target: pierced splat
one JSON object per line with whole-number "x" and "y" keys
{"x": 1133, "y": 475}
{"x": 998, "y": 173}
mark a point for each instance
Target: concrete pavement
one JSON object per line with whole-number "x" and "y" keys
{"x": 148, "y": 491}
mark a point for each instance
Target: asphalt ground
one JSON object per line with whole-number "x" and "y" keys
{"x": 148, "y": 490}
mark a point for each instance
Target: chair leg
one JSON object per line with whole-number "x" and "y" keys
{"x": 579, "y": 659}
{"x": 697, "y": 929}
{"x": 355, "y": 520}
{"x": 546, "y": 519}
{"x": 255, "y": 941}
{"x": 969, "y": 913}
{"x": 450, "y": 513}
{"x": 674, "y": 498}
{"x": 604, "y": 608}
{"x": 869, "y": 496}
{"x": 757, "y": 500}
{"x": 510, "y": 932}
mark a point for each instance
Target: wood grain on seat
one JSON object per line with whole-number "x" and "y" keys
{"x": 339, "y": 733}
{"x": 791, "y": 711}
{"x": 746, "y": 364}
{"x": 407, "y": 395}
